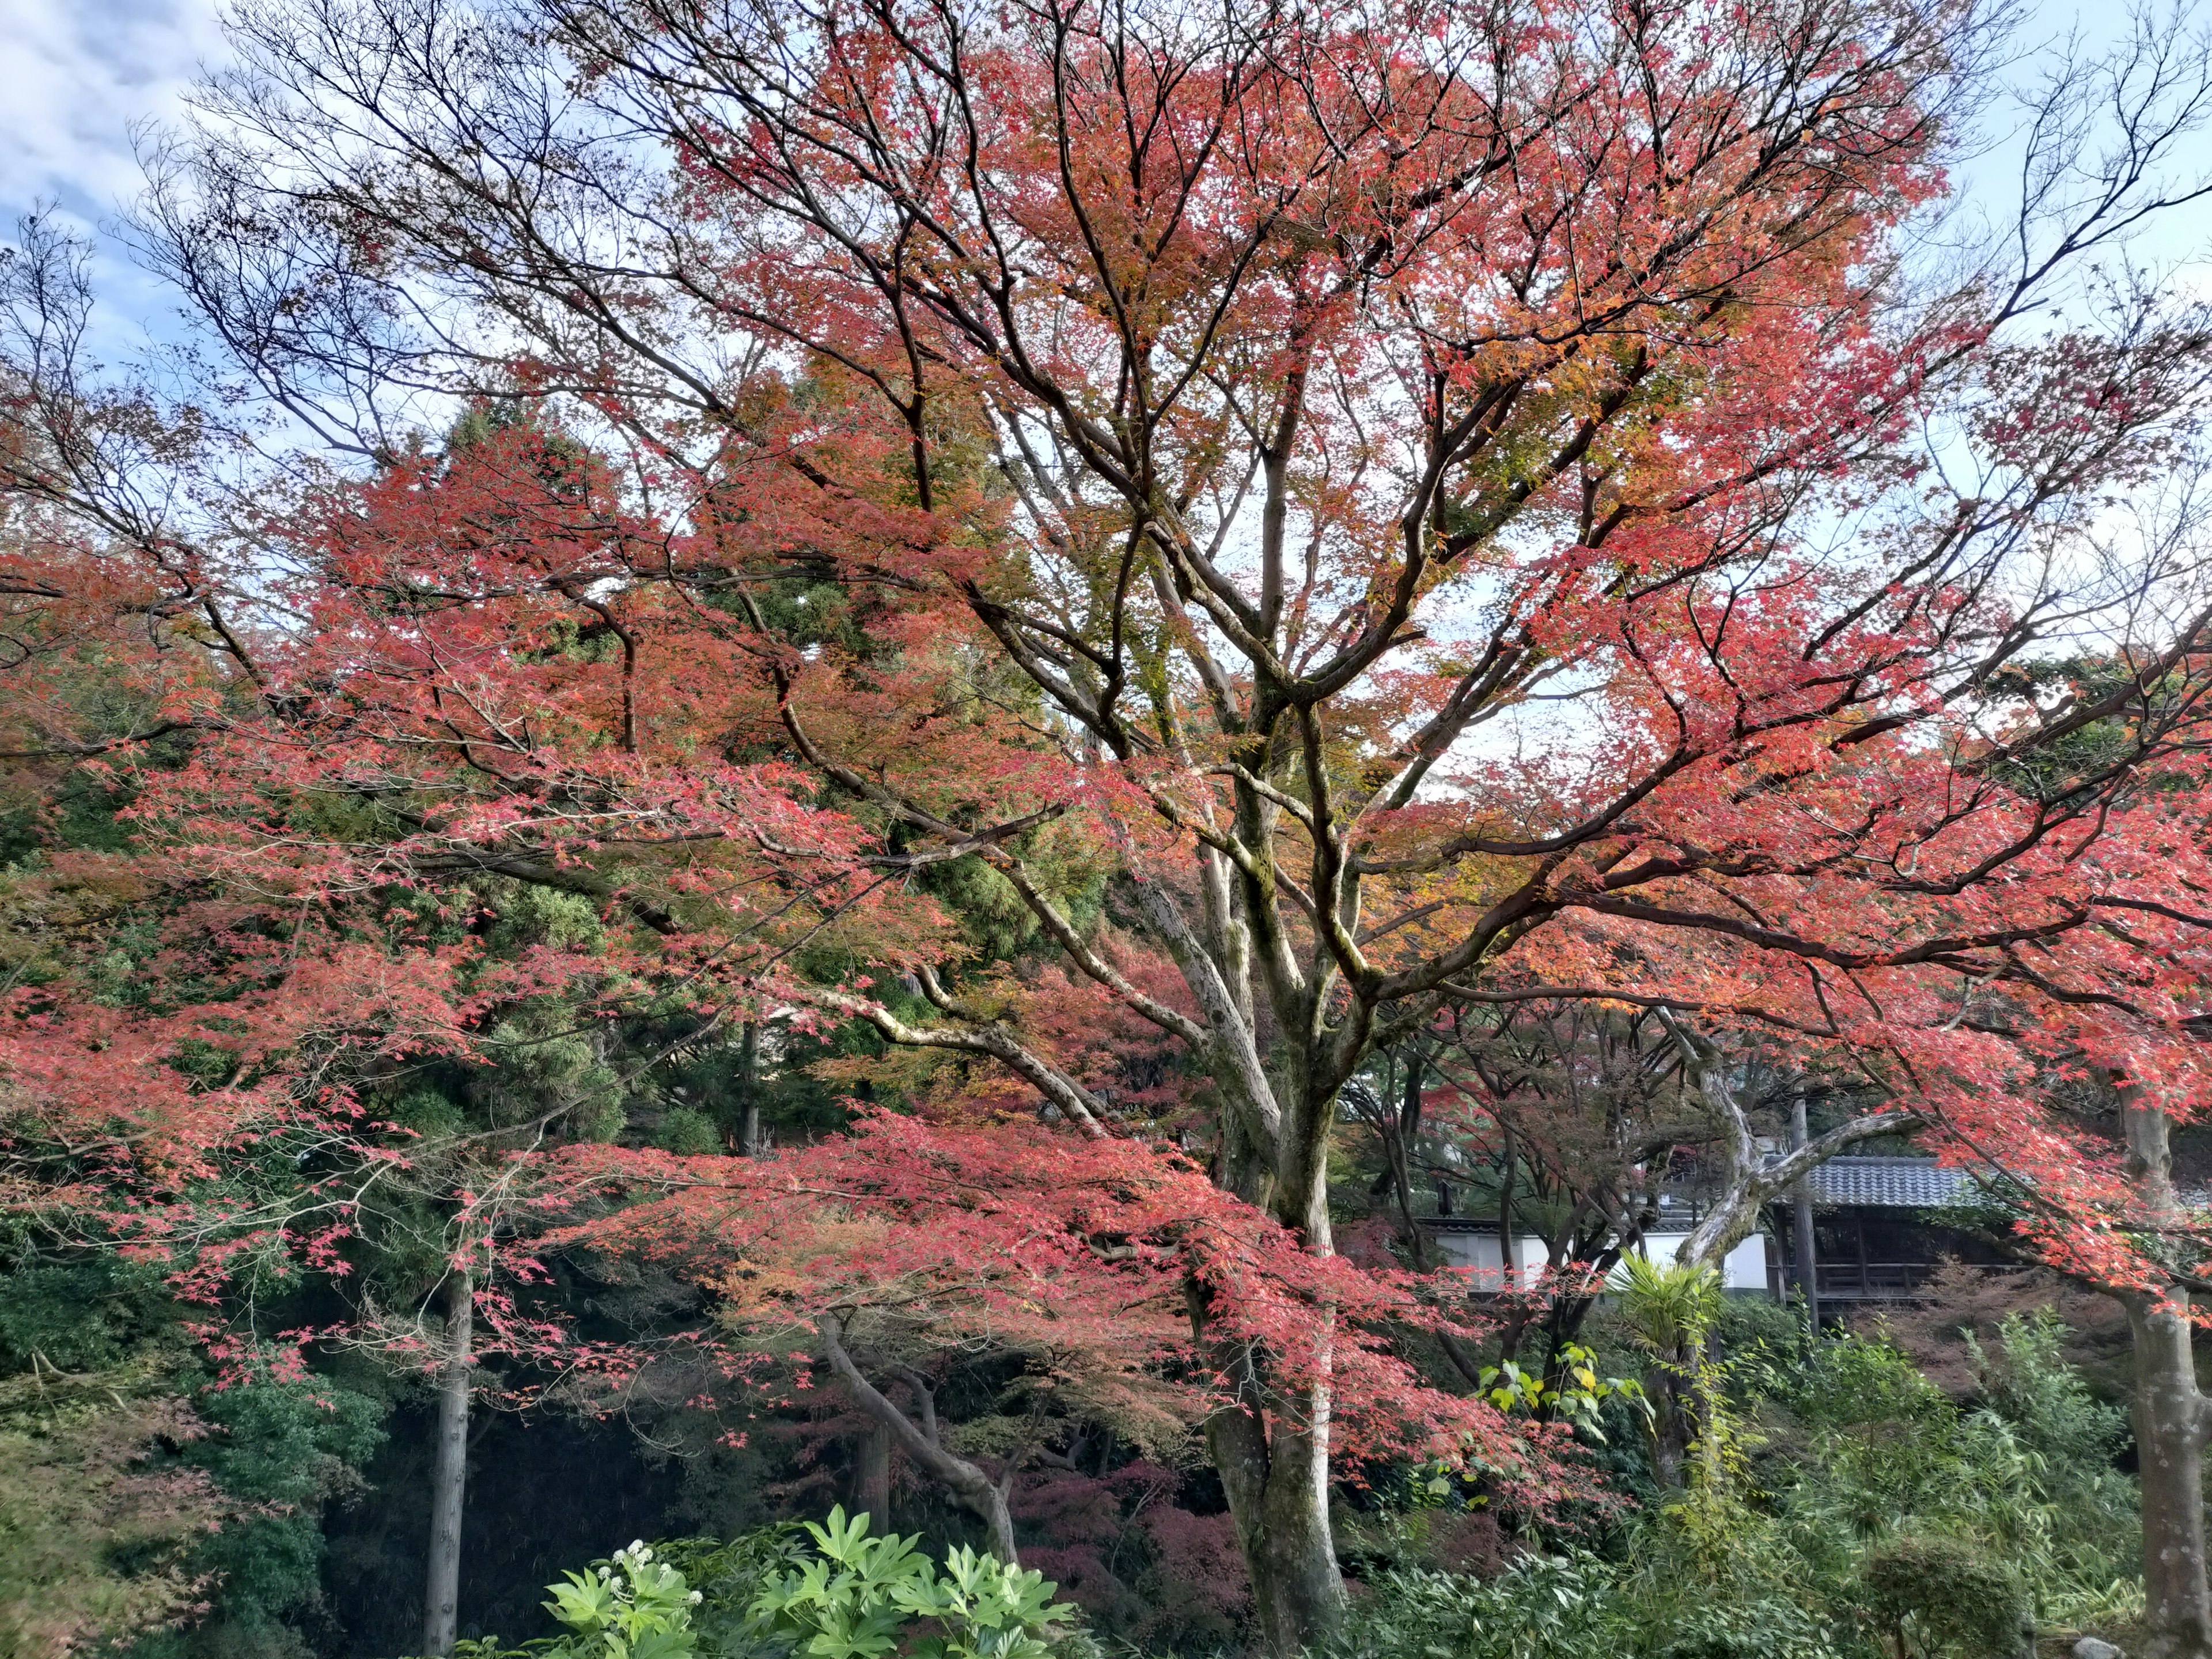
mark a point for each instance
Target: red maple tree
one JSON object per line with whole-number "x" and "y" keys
{"x": 1425, "y": 505}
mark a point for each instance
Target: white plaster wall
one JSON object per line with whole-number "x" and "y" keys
{"x": 1744, "y": 1269}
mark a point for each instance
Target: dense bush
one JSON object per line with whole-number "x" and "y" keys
{"x": 1546, "y": 1607}
{"x": 1953, "y": 1595}
{"x": 790, "y": 1589}
{"x": 1852, "y": 1510}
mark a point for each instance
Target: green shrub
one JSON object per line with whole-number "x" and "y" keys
{"x": 1545, "y": 1607}
{"x": 729, "y": 1575}
{"x": 1768, "y": 1627}
{"x": 631, "y": 1607}
{"x": 826, "y": 1592}
{"x": 1952, "y": 1595}
{"x": 862, "y": 1596}
{"x": 687, "y": 1133}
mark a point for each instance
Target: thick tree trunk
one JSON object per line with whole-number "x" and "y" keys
{"x": 871, "y": 1477}
{"x": 2169, "y": 1424}
{"x": 449, "y": 1479}
{"x": 1277, "y": 1489}
{"x": 2170, "y": 1412}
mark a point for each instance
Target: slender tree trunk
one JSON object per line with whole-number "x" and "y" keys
{"x": 1801, "y": 1198}
{"x": 749, "y": 1090}
{"x": 449, "y": 1479}
{"x": 871, "y": 1477}
{"x": 921, "y": 1444}
{"x": 2170, "y": 1413}
{"x": 1670, "y": 1435}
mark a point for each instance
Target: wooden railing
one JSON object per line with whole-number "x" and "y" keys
{"x": 1873, "y": 1281}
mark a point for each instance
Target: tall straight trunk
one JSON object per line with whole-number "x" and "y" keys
{"x": 2170, "y": 1413}
{"x": 749, "y": 1127}
{"x": 871, "y": 1477}
{"x": 1801, "y": 1205}
{"x": 449, "y": 1479}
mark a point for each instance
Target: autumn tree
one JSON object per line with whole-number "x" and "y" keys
{"x": 1435, "y": 504}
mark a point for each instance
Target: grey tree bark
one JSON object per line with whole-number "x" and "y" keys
{"x": 1801, "y": 1206}
{"x": 2170, "y": 1414}
{"x": 449, "y": 1477}
{"x": 1278, "y": 1488}
{"x": 749, "y": 1123}
{"x": 1750, "y": 1180}
{"x": 923, "y": 1443}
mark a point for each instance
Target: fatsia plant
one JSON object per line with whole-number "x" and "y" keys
{"x": 862, "y": 1597}
{"x": 632, "y": 1607}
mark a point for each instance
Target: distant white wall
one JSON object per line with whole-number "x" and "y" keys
{"x": 1744, "y": 1268}
{"x": 1478, "y": 1253}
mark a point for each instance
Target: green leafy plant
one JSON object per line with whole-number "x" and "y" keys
{"x": 1544, "y": 1607}
{"x": 728, "y": 1574}
{"x": 1948, "y": 1595}
{"x": 862, "y": 1596}
{"x": 1576, "y": 1397}
{"x": 631, "y": 1607}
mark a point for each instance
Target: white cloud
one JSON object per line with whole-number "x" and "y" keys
{"x": 75, "y": 76}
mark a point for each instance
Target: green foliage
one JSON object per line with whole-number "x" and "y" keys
{"x": 1760, "y": 1627}
{"x": 1546, "y": 1607}
{"x": 78, "y": 1311}
{"x": 1578, "y": 1397}
{"x": 860, "y": 1597}
{"x": 542, "y": 1063}
{"x": 1840, "y": 1381}
{"x": 687, "y": 1134}
{"x": 631, "y": 1607}
{"x": 1848, "y": 1510}
{"x": 1952, "y": 1595}
{"x": 97, "y": 1521}
{"x": 1669, "y": 1306}
{"x": 280, "y": 1445}
{"x": 1865, "y": 1452}
{"x": 790, "y": 1591}
{"x": 728, "y": 1576}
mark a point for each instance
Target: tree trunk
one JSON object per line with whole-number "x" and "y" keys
{"x": 449, "y": 1480}
{"x": 1277, "y": 1489}
{"x": 1670, "y": 1426}
{"x": 1801, "y": 1205}
{"x": 871, "y": 1477}
{"x": 921, "y": 1444}
{"x": 749, "y": 1090}
{"x": 2169, "y": 1414}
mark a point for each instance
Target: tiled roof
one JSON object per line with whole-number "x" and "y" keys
{"x": 1894, "y": 1183}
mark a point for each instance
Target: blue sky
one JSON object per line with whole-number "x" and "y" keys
{"x": 75, "y": 76}
{"x": 78, "y": 75}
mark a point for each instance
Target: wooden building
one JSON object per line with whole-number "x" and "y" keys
{"x": 1878, "y": 1233}
{"x": 1878, "y": 1229}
